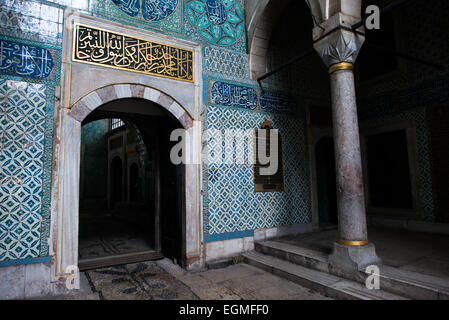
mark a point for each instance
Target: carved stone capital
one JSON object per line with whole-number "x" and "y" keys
{"x": 339, "y": 46}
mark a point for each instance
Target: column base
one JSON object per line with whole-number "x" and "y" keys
{"x": 351, "y": 261}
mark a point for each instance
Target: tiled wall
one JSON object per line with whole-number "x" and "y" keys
{"x": 407, "y": 94}
{"x": 231, "y": 207}
{"x": 29, "y": 72}
{"x": 410, "y": 104}
{"x": 32, "y": 20}
{"x": 399, "y": 95}
{"x": 165, "y": 17}
{"x": 31, "y": 33}
{"x": 212, "y": 22}
{"x": 26, "y": 117}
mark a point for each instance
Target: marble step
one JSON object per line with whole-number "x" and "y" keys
{"x": 413, "y": 285}
{"x": 308, "y": 258}
{"x": 321, "y": 282}
{"x": 118, "y": 259}
{"x": 398, "y": 281}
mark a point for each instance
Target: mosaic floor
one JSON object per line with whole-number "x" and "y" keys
{"x": 139, "y": 281}
{"x": 163, "y": 280}
{"x": 104, "y": 233}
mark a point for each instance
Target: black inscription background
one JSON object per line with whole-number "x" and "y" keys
{"x": 118, "y": 51}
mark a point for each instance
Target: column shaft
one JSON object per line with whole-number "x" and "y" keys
{"x": 350, "y": 195}
{"x": 352, "y": 252}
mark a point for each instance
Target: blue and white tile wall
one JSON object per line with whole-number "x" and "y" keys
{"x": 217, "y": 22}
{"x": 30, "y": 59}
{"x": 418, "y": 116}
{"x": 409, "y": 104}
{"x": 231, "y": 208}
{"x": 164, "y": 15}
{"x": 32, "y": 20}
{"x": 210, "y": 22}
{"x": 30, "y": 55}
{"x": 22, "y": 130}
{"x": 219, "y": 25}
{"x": 226, "y": 64}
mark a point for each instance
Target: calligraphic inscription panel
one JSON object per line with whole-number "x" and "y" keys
{"x": 153, "y": 10}
{"x": 22, "y": 60}
{"x": 119, "y": 51}
{"x": 275, "y": 102}
{"x": 231, "y": 95}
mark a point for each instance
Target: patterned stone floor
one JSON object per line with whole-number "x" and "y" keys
{"x": 138, "y": 281}
{"x": 163, "y": 280}
{"x": 104, "y": 233}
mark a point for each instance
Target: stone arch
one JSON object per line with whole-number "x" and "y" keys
{"x": 96, "y": 98}
{"x": 263, "y": 15}
{"x": 66, "y": 173}
{"x": 262, "y": 21}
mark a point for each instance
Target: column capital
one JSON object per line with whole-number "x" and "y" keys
{"x": 340, "y": 46}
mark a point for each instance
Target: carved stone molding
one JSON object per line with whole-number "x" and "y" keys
{"x": 339, "y": 46}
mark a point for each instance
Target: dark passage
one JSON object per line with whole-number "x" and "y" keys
{"x": 326, "y": 182}
{"x": 131, "y": 195}
{"x": 438, "y": 120}
{"x": 389, "y": 170}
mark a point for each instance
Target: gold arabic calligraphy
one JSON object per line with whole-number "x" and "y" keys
{"x": 115, "y": 50}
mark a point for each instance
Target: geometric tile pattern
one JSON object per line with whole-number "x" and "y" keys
{"x": 276, "y": 102}
{"x": 235, "y": 95}
{"x": 153, "y": 10}
{"x": 32, "y": 20}
{"x": 230, "y": 203}
{"x": 418, "y": 116}
{"x": 217, "y": 22}
{"x": 230, "y": 64}
{"x": 26, "y": 129}
{"x": 408, "y": 104}
{"x": 396, "y": 101}
{"x": 47, "y": 172}
{"x": 161, "y": 15}
{"x": 22, "y": 134}
{"x": 220, "y": 22}
{"x": 231, "y": 95}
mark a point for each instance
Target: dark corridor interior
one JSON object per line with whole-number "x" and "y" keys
{"x": 389, "y": 170}
{"x": 131, "y": 195}
{"x": 326, "y": 185}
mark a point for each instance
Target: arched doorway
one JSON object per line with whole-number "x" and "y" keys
{"x": 263, "y": 19}
{"x": 65, "y": 198}
{"x": 134, "y": 227}
{"x": 84, "y": 88}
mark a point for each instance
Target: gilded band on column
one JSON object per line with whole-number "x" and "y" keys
{"x": 340, "y": 66}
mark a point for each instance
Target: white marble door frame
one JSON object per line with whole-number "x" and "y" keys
{"x": 83, "y": 89}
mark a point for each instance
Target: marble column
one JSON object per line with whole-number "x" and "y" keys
{"x": 352, "y": 251}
